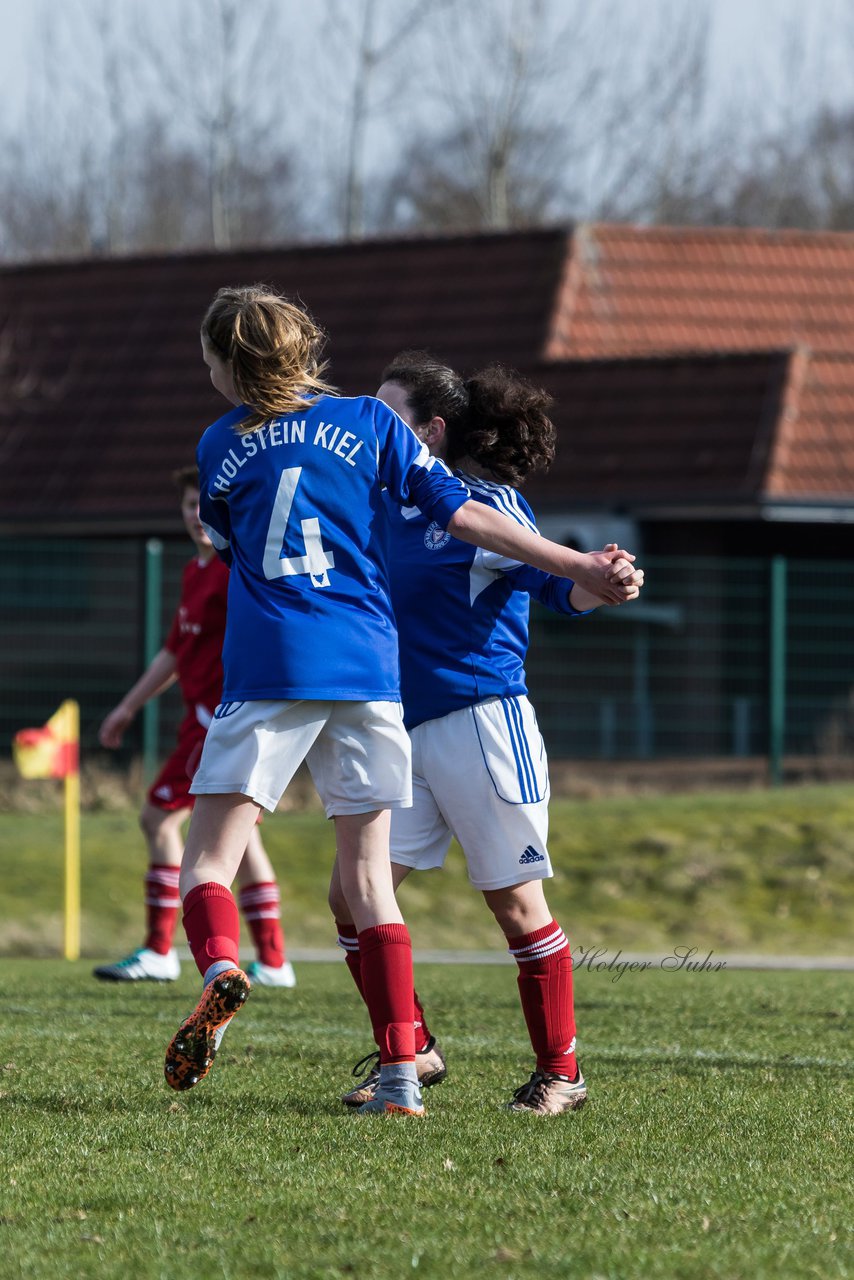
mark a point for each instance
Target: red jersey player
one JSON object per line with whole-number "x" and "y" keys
{"x": 192, "y": 655}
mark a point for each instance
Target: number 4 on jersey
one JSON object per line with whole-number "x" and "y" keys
{"x": 317, "y": 561}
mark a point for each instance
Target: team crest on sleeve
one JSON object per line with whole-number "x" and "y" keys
{"x": 436, "y": 537}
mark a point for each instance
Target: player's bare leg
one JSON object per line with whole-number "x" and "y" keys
{"x": 218, "y": 835}
{"x": 539, "y": 946}
{"x": 520, "y": 908}
{"x": 255, "y": 864}
{"x": 163, "y": 831}
{"x": 364, "y": 868}
{"x": 385, "y": 948}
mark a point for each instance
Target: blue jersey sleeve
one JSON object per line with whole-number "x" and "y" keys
{"x": 550, "y": 591}
{"x": 213, "y": 512}
{"x": 412, "y": 477}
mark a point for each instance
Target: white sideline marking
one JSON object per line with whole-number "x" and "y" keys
{"x": 329, "y": 955}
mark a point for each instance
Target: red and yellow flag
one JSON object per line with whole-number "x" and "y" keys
{"x": 52, "y": 751}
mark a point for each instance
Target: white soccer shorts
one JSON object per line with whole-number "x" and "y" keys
{"x": 480, "y": 774}
{"x": 357, "y": 753}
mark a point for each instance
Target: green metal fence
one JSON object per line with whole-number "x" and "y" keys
{"x": 720, "y": 658}
{"x": 80, "y": 619}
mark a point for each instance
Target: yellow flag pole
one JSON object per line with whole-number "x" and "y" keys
{"x": 72, "y": 835}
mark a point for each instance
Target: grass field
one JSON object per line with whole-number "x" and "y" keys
{"x": 751, "y": 871}
{"x": 717, "y": 1141}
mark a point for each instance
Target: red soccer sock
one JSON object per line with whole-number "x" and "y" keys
{"x": 386, "y": 952}
{"x": 348, "y": 939}
{"x": 162, "y": 904}
{"x": 260, "y": 906}
{"x": 212, "y": 924}
{"x": 419, "y": 1022}
{"x": 545, "y": 988}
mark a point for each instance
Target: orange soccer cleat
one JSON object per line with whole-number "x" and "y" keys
{"x": 194, "y": 1046}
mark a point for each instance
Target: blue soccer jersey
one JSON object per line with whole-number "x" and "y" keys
{"x": 462, "y": 612}
{"x": 295, "y": 507}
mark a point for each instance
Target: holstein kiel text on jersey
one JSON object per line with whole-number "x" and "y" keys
{"x": 344, "y": 444}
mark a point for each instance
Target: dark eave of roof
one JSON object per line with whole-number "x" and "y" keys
{"x": 678, "y": 430}
{"x": 103, "y": 392}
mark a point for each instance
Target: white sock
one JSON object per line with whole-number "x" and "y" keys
{"x": 395, "y": 1073}
{"x": 218, "y": 967}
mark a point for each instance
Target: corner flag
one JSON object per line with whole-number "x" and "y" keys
{"x": 54, "y": 752}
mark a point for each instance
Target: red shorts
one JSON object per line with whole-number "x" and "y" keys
{"x": 170, "y": 790}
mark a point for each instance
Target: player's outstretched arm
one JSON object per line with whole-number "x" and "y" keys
{"x": 593, "y": 571}
{"x": 160, "y": 673}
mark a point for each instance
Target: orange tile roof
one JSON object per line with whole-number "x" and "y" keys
{"x": 632, "y": 291}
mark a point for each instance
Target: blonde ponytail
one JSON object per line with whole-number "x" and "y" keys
{"x": 273, "y": 347}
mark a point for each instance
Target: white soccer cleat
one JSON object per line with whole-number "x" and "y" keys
{"x": 430, "y": 1067}
{"x": 395, "y": 1096}
{"x": 267, "y": 975}
{"x": 142, "y": 966}
{"x": 547, "y": 1094}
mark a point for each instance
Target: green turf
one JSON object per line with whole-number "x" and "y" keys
{"x": 751, "y": 871}
{"x": 716, "y": 1143}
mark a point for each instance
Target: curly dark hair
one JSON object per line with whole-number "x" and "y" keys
{"x": 496, "y": 416}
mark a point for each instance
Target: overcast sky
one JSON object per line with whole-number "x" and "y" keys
{"x": 749, "y": 40}
{"x": 771, "y": 65}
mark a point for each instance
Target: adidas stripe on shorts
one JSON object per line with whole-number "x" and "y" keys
{"x": 357, "y": 753}
{"x": 480, "y": 774}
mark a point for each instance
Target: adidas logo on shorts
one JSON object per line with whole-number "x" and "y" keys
{"x": 530, "y": 855}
